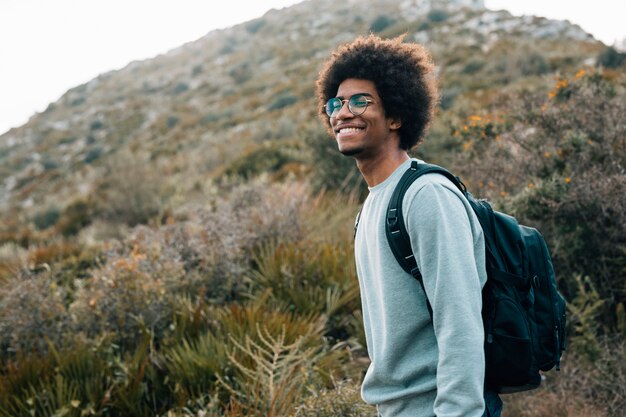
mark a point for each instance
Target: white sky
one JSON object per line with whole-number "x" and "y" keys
{"x": 48, "y": 47}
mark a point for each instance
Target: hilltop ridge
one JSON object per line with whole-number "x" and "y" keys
{"x": 197, "y": 108}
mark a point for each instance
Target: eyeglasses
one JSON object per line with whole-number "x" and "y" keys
{"x": 357, "y": 104}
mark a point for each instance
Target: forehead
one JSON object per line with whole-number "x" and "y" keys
{"x": 351, "y": 86}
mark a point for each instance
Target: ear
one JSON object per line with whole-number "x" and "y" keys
{"x": 395, "y": 124}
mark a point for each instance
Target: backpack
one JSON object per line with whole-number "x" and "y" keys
{"x": 523, "y": 312}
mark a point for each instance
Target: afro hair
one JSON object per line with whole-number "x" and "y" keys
{"x": 404, "y": 76}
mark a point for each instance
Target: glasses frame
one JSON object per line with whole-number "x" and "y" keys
{"x": 348, "y": 100}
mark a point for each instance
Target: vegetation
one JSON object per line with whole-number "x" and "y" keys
{"x": 184, "y": 246}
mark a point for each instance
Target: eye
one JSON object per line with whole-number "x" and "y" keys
{"x": 358, "y": 101}
{"x": 333, "y": 105}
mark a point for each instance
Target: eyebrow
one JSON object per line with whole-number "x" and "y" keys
{"x": 356, "y": 94}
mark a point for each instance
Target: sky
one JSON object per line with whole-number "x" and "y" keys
{"x": 48, "y": 47}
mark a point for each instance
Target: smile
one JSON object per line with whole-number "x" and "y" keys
{"x": 347, "y": 130}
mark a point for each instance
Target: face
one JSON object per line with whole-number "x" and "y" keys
{"x": 369, "y": 133}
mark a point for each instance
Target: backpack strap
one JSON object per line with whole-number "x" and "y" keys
{"x": 356, "y": 222}
{"x": 397, "y": 235}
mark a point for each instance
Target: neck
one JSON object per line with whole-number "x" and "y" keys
{"x": 378, "y": 168}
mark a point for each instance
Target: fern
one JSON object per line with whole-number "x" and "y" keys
{"x": 277, "y": 380}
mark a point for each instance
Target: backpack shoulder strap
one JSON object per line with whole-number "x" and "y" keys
{"x": 394, "y": 224}
{"x": 356, "y": 222}
{"x": 395, "y": 228}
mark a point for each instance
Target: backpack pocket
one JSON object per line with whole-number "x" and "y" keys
{"x": 508, "y": 345}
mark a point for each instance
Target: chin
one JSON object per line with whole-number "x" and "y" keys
{"x": 351, "y": 152}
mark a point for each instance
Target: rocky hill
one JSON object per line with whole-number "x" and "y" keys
{"x": 189, "y": 115}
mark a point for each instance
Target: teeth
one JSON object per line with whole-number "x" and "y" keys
{"x": 349, "y": 130}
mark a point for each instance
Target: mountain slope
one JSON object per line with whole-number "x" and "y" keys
{"x": 192, "y": 112}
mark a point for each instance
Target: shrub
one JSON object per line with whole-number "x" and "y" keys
{"x": 198, "y": 362}
{"x": 272, "y": 372}
{"x": 255, "y": 25}
{"x": 473, "y": 66}
{"x": 46, "y": 218}
{"x": 437, "y": 15}
{"x": 611, "y": 58}
{"x": 121, "y": 299}
{"x": 263, "y": 159}
{"x": 71, "y": 382}
{"x": 283, "y": 100}
{"x": 381, "y": 23}
{"x": 13, "y": 259}
{"x": 180, "y": 88}
{"x": 557, "y": 161}
{"x": 343, "y": 400}
{"x": 32, "y": 313}
{"x": 93, "y": 154}
{"x": 330, "y": 169}
{"x": 171, "y": 121}
{"x": 132, "y": 191}
{"x": 75, "y": 216}
{"x": 307, "y": 279}
{"x": 96, "y": 125}
{"x": 241, "y": 73}
{"x": 582, "y": 388}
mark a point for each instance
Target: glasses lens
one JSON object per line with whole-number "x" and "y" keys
{"x": 357, "y": 104}
{"x": 332, "y": 106}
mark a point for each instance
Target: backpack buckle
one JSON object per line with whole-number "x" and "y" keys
{"x": 392, "y": 218}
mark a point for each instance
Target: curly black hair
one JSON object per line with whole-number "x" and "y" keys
{"x": 403, "y": 74}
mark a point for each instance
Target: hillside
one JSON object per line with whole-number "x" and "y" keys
{"x": 190, "y": 113}
{"x": 177, "y": 236}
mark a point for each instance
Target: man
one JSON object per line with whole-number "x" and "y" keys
{"x": 377, "y": 98}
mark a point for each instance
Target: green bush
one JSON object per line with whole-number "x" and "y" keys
{"x": 313, "y": 278}
{"x": 75, "y": 217}
{"x": 557, "y": 160}
{"x": 381, "y": 23}
{"x": 263, "y": 159}
{"x": 437, "y": 15}
{"x": 330, "y": 169}
{"x": 46, "y": 218}
{"x": 611, "y": 58}
{"x": 132, "y": 190}
{"x": 93, "y": 154}
{"x": 32, "y": 313}
{"x": 255, "y": 25}
{"x": 282, "y": 101}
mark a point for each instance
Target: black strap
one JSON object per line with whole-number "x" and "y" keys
{"x": 356, "y": 222}
{"x": 397, "y": 235}
{"x": 396, "y": 230}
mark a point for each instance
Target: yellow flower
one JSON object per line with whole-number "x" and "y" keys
{"x": 561, "y": 84}
{"x": 475, "y": 118}
{"x": 580, "y": 73}
{"x": 546, "y": 154}
{"x": 568, "y": 180}
{"x": 531, "y": 185}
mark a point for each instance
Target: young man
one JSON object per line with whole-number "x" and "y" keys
{"x": 377, "y": 98}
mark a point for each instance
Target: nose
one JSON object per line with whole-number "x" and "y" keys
{"x": 344, "y": 112}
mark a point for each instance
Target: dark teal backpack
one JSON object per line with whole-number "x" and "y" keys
{"x": 523, "y": 312}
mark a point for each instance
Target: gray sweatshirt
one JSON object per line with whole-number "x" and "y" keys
{"x": 419, "y": 367}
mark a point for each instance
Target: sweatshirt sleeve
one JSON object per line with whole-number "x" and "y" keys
{"x": 445, "y": 237}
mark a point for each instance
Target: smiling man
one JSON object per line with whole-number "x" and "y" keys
{"x": 377, "y": 97}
